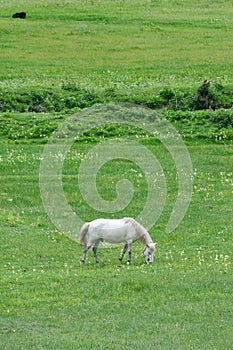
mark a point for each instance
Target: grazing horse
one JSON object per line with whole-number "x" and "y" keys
{"x": 115, "y": 231}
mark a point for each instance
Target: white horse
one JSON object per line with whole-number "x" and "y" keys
{"x": 115, "y": 231}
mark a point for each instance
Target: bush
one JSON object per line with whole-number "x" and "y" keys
{"x": 70, "y": 96}
{"x": 208, "y": 125}
{"x": 212, "y": 96}
{"x": 46, "y": 100}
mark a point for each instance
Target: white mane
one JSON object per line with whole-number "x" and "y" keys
{"x": 141, "y": 232}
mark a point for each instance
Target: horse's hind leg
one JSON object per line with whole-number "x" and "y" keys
{"x": 85, "y": 249}
{"x": 123, "y": 251}
{"x": 95, "y": 251}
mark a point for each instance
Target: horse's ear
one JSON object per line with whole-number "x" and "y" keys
{"x": 151, "y": 246}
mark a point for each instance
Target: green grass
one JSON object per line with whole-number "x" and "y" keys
{"x": 67, "y": 55}
{"x": 74, "y": 54}
{"x": 116, "y": 44}
{"x": 49, "y": 300}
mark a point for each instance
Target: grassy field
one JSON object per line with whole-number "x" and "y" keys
{"x": 125, "y": 45}
{"x": 182, "y": 301}
{"x": 67, "y": 55}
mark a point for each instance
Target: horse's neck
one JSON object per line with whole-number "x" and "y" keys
{"x": 145, "y": 238}
{"x": 141, "y": 232}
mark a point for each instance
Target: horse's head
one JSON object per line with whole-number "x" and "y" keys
{"x": 148, "y": 252}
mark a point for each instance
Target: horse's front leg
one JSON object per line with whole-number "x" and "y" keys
{"x": 123, "y": 251}
{"x": 129, "y": 251}
{"x": 95, "y": 251}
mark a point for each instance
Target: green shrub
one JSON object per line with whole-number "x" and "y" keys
{"x": 46, "y": 100}
{"x": 212, "y": 96}
{"x": 70, "y": 96}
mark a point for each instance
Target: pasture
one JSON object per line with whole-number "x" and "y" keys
{"x": 49, "y": 300}
{"x": 117, "y": 51}
{"x": 116, "y": 46}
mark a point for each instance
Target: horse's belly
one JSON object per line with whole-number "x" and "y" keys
{"x": 114, "y": 236}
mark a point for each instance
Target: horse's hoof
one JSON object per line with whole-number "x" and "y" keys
{"x": 120, "y": 259}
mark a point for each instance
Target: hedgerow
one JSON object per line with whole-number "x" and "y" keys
{"x": 69, "y": 96}
{"x": 45, "y": 99}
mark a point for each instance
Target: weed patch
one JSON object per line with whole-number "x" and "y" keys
{"x": 208, "y": 125}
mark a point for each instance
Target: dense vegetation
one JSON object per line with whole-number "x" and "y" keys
{"x": 206, "y": 125}
{"x": 69, "y": 96}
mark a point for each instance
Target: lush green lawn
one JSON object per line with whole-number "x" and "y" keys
{"x": 134, "y": 45}
{"x": 71, "y": 54}
{"x": 49, "y": 300}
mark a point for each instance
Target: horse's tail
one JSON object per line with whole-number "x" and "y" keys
{"x": 83, "y": 233}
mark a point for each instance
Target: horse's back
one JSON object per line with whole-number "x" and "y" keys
{"x": 108, "y": 222}
{"x": 112, "y": 230}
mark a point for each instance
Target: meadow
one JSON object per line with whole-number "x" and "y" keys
{"x": 116, "y": 47}
{"x": 49, "y": 300}
{"x": 69, "y": 55}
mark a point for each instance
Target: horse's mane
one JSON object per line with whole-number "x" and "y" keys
{"x": 141, "y": 232}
